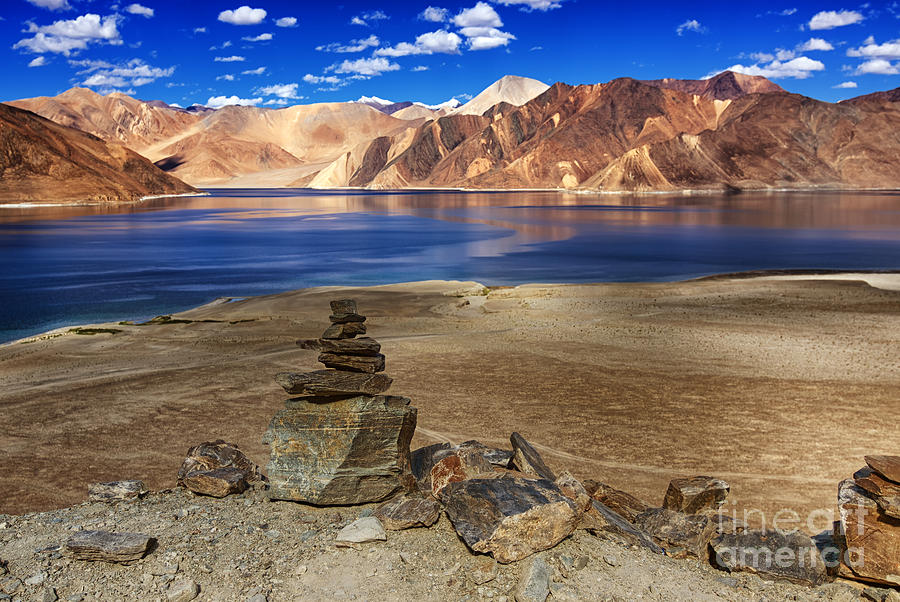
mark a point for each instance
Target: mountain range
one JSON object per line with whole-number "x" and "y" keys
{"x": 731, "y": 131}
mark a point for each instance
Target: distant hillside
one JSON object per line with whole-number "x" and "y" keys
{"x": 727, "y": 85}
{"x": 44, "y": 161}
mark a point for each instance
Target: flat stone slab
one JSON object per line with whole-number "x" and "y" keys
{"x": 363, "y": 530}
{"x": 885, "y": 493}
{"x": 344, "y": 331}
{"x": 333, "y": 383}
{"x": 771, "y": 554}
{"x": 618, "y": 501}
{"x": 887, "y": 466}
{"x": 680, "y": 534}
{"x": 406, "y": 512}
{"x": 353, "y": 363}
{"x": 509, "y": 518}
{"x": 605, "y": 519}
{"x": 527, "y": 459}
{"x": 346, "y": 318}
{"x": 870, "y": 538}
{"x": 218, "y": 482}
{"x": 116, "y": 491}
{"x": 360, "y": 346}
{"x": 108, "y": 547}
{"x": 695, "y": 494}
{"x": 343, "y": 306}
{"x": 350, "y": 451}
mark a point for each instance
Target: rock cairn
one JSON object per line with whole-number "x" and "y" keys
{"x": 339, "y": 440}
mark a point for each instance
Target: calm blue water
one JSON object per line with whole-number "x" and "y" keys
{"x": 71, "y": 265}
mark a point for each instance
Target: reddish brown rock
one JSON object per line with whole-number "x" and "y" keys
{"x": 108, "y": 547}
{"x": 422, "y": 460}
{"x": 772, "y": 554}
{"x": 219, "y": 454}
{"x": 344, "y": 331}
{"x": 695, "y": 494}
{"x": 680, "y": 534}
{"x": 457, "y": 466}
{"x": 333, "y": 383}
{"x": 870, "y": 538}
{"x": 216, "y": 483}
{"x": 526, "y": 459}
{"x": 885, "y": 493}
{"x": 620, "y": 502}
{"x": 886, "y": 466}
{"x": 407, "y": 512}
{"x": 353, "y": 363}
{"x": 509, "y": 518}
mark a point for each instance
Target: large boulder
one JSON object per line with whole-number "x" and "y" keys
{"x": 680, "y": 534}
{"x": 509, "y": 518}
{"x": 458, "y": 465}
{"x": 620, "y": 502}
{"x": 407, "y": 512}
{"x": 218, "y": 468}
{"x": 600, "y": 518}
{"x": 695, "y": 494}
{"x": 350, "y": 451}
{"x": 422, "y": 460}
{"x": 870, "y": 538}
{"x": 218, "y": 482}
{"x": 527, "y": 459}
{"x": 333, "y": 383}
{"x": 771, "y": 554}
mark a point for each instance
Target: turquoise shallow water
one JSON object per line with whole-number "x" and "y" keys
{"x": 71, "y": 265}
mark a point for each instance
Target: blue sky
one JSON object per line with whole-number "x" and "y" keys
{"x": 273, "y": 53}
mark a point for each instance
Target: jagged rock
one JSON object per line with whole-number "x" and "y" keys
{"x": 343, "y": 306}
{"x": 344, "y": 331}
{"x": 509, "y": 518}
{"x": 604, "y": 519}
{"x": 362, "y": 346}
{"x": 115, "y": 491}
{"x": 695, "y": 494}
{"x": 421, "y": 462}
{"x": 219, "y": 454}
{"x": 346, "y": 318}
{"x": 618, "y": 501}
{"x": 183, "y": 590}
{"x": 885, "y": 493}
{"x": 887, "y": 466}
{"x": 332, "y": 383}
{"x": 351, "y": 451}
{"x": 773, "y": 554}
{"x": 407, "y": 512}
{"x": 484, "y": 569}
{"x": 728, "y": 524}
{"x": 108, "y": 547}
{"x": 216, "y": 483}
{"x": 495, "y": 456}
{"x": 878, "y": 594}
{"x": 680, "y": 534}
{"x": 526, "y": 459}
{"x": 574, "y": 490}
{"x": 457, "y": 466}
{"x": 362, "y": 530}
{"x": 869, "y": 537}
{"x": 534, "y": 584}
{"x": 353, "y": 363}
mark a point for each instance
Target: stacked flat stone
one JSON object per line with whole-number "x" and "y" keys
{"x": 339, "y": 440}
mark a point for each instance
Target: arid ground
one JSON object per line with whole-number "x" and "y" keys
{"x": 778, "y": 385}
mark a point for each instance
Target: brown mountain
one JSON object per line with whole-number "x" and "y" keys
{"x": 727, "y": 85}
{"x": 886, "y": 96}
{"x": 43, "y": 161}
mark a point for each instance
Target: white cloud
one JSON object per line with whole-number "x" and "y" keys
{"x": 279, "y": 102}
{"x": 485, "y": 38}
{"x": 877, "y": 67}
{"x": 321, "y": 79}
{"x": 243, "y": 16}
{"x": 66, "y": 36}
{"x": 846, "y": 85}
{"x": 434, "y": 14}
{"x": 357, "y": 21}
{"x": 217, "y": 102}
{"x": 815, "y": 44}
{"x": 530, "y": 5}
{"x": 286, "y": 22}
{"x": 137, "y": 9}
{"x": 888, "y": 50}
{"x": 829, "y": 19}
{"x": 480, "y": 15}
{"x": 367, "y": 67}
{"x": 52, "y": 4}
{"x": 799, "y": 68}
{"x": 690, "y": 25}
{"x": 354, "y": 45}
{"x": 199, "y": 30}
{"x": 279, "y": 90}
{"x": 109, "y": 76}
{"x": 434, "y": 42}
{"x": 788, "y": 12}
{"x": 366, "y": 18}
{"x": 227, "y": 77}
{"x": 39, "y": 61}
{"x": 415, "y": 69}
{"x": 224, "y": 45}
{"x": 263, "y": 37}
{"x": 257, "y": 71}
{"x": 230, "y": 59}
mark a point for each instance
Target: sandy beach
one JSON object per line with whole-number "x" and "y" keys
{"x": 777, "y": 384}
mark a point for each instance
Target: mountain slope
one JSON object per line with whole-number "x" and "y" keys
{"x": 510, "y": 89}
{"x": 44, "y": 161}
{"x": 727, "y": 85}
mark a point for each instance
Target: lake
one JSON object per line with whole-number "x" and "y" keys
{"x": 73, "y": 265}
